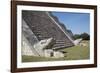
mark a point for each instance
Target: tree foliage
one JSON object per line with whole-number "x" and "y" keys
{"x": 77, "y": 36}
{"x": 84, "y": 36}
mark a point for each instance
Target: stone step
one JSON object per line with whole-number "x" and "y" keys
{"x": 43, "y": 26}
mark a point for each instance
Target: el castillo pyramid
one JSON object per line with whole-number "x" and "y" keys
{"x": 44, "y": 35}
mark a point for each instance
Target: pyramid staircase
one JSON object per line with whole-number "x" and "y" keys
{"x": 43, "y": 27}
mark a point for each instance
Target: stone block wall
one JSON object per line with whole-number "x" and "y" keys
{"x": 44, "y": 27}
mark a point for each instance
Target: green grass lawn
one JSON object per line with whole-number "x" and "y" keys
{"x": 73, "y": 53}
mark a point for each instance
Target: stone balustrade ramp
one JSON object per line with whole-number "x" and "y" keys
{"x": 44, "y": 26}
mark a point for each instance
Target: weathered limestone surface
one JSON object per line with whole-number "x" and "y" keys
{"x": 53, "y": 54}
{"x": 31, "y": 46}
{"x": 43, "y": 26}
{"x": 28, "y": 40}
{"x": 42, "y": 35}
{"x": 42, "y": 45}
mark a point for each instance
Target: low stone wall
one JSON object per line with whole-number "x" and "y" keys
{"x": 53, "y": 54}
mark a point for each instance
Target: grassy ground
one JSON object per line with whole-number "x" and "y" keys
{"x": 73, "y": 53}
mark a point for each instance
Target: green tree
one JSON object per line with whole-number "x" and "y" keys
{"x": 77, "y": 36}
{"x": 85, "y": 36}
